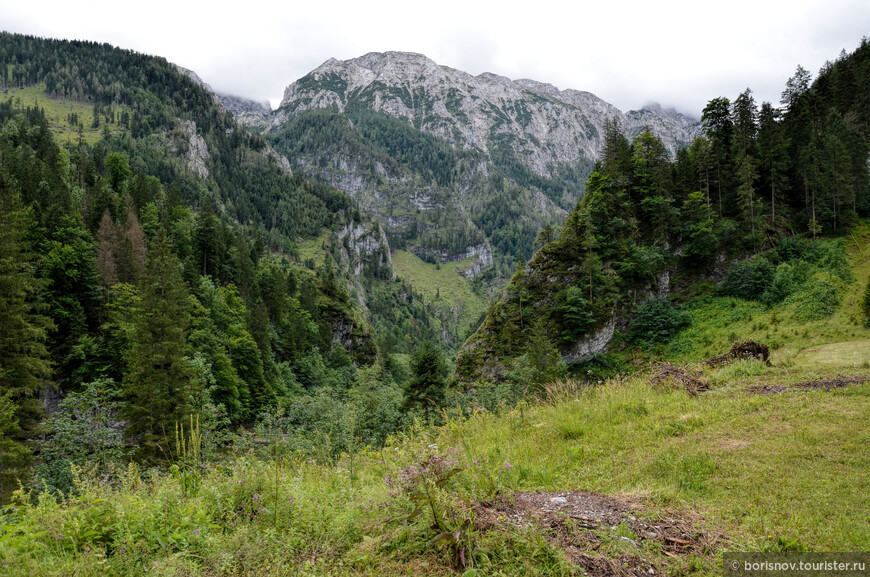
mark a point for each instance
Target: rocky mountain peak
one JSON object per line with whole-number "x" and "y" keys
{"x": 545, "y": 126}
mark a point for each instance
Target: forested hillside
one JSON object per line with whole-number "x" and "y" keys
{"x": 752, "y": 191}
{"x": 151, "y": 272}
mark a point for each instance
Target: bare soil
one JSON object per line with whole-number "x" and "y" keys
{"x": 825, "y": 384}
{"x": 579, "y": 521}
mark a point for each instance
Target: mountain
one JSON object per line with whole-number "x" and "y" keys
{"x": 452, "y": 165}
{"x": 548, "y": 125}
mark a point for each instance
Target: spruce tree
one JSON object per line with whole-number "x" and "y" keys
{"x": 23, "y": 354}
{"x": 427, "y": 386}
{"x": 159, "y": 385}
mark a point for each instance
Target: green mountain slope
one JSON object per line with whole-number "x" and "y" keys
{"x": 627, "y": 474}
{"x": 724, "y": 211}
{"x": 153, "y": 258}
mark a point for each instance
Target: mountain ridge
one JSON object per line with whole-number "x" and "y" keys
{"x": 541, "y": 140}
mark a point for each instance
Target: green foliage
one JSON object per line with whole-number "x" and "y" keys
{"x": 656, "y": 320}
{"x": 748, "y": 279}
{"x": 23, "y": 353}
{"x": 84, "y": 433}
{"x": 159, "y": 384}
{"x": 429, "y": 486}
{"x": 15, "y": 454}
{"x": 573, "y": 314}
{"x": 540, "y": 364}
{"x": 817, "y": 299}
{"x": 427, "y": 386}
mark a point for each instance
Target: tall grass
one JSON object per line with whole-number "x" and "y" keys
{"x": 790, "y": 466}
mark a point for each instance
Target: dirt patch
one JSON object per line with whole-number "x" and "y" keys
{"x": 824, "y": 384}
{"x": 580, "y": 522}
{"x": 624, "y": 565}
{"x": 668, "y": 375}
{"x": 741, "y": 350}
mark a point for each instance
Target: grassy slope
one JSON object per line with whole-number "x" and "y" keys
{"x": 442, "y": 285}
{"x": 57, "y": 112}
{"x": 766, "y": 471}
{"x": 717, "y": 322}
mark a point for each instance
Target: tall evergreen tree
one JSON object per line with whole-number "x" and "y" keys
{"x": 773, "y": 161}
{"x": 159, "y": 384}
{"x": 744, "y": 119}
{"x": 427, "y": 385}
{"x": 719, "y": 128}
{"x": 23, "y": 330}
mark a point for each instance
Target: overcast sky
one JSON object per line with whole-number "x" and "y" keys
{"x": 630, "y": 53}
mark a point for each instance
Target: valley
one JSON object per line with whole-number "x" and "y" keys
{"x": 418, "y": 321}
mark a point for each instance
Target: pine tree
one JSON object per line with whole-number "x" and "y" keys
{"x": 749, "y": 205}
{"x": 131, "y": 252}
{"x": 773, "y": 160}
{"x": 744, "y": 119}
{"x": 543, "y": 355}
{"x": 716, "y": 120}
{"x": 427, "y": 386}
{"x": 107, "y": 248}
{"x": 23, "y": 330}
{"x": 159, "y": 384}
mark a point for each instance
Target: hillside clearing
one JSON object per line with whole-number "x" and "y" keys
{"x": 850, "y": 353}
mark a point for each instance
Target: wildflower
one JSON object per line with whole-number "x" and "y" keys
{"x": 507, "y": 466}
{"x": 196, "y": 531}
{"x": 122, "y": 549}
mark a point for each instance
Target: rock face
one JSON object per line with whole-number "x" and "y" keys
{"x": 365, "y": 245}
{"x": 543, "y": 125}
{"x": 596, "y": 343}
{"x": 197, "y": 151}
{"x": 483, "y": 259}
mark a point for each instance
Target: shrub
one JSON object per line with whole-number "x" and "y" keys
{"x": 748, "y": 279}
{"x": 818, "y": 299}
{"x": 656, "y": 320}
{"x": 793, "y": 248}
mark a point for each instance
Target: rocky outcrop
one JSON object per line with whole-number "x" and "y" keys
{"x": 365, "y": 245}
{"x": 543, "y": 125}
{"x": 196, "y": 150}
{"x": 593, "y": 345}
{"x": 482, "y": 259}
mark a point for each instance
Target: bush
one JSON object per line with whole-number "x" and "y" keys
{"x": 818, "y": 299}
{"x": 785, "y": 282}
{"x": 793, "y": 248}
{"x": 748, "y": 279}
{"x": 656, "y": 320}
